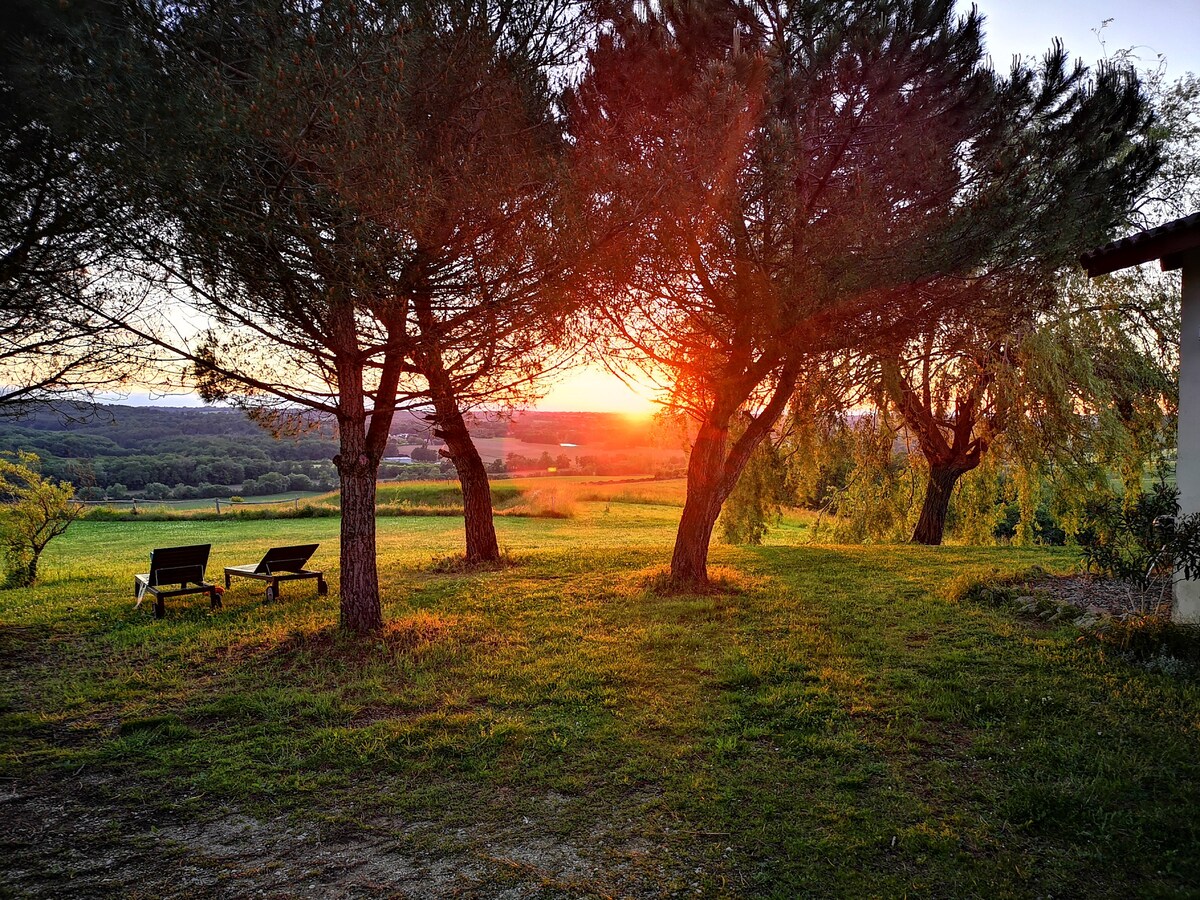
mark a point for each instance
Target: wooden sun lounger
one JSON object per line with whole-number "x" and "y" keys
{"x": 281, "y": 564}
{"x": 182, "y": 566}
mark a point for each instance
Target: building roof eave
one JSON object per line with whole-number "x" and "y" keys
{"x": 1167, "y": 242}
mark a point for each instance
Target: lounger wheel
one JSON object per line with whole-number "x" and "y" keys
{"x": 272, "y": 593}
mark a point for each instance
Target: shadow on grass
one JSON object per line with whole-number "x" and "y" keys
{"x": 832, "y": 726}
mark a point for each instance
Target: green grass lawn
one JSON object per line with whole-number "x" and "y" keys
{"x": 831, "y": 726}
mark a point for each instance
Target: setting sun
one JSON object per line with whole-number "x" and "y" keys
{"x": 590, "y": 389}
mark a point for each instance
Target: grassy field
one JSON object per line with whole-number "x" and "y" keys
{"x": 830, "y": 725}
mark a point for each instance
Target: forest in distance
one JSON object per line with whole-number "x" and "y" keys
{"x": 180, "y": 453}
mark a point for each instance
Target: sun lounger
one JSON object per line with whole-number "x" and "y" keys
{"x": 279, "y": 565}
{"x": 182, "y": 566}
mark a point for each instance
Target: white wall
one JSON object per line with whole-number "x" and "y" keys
{"x": 1187, "y": 593}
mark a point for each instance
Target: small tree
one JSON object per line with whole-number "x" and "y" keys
{"x": 424, "y": 453}
{"x": 1064, "y": 368}
{"x": 36, "y": 512}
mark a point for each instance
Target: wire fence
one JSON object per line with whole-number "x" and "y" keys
{"x": 219, "y": 502}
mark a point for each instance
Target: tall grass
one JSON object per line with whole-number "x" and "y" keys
{"x": 671, "y": 492}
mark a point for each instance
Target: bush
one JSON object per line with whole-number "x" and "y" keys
{"x": 270, "y": 483}
{"x": 118, "y": 491}
{"x": 300, "y": 482}
{"x": 1132, "y": 541}
{"x": 1153, "y": 642}
{"x": 156, "y": 490}
{"x": 1046, "y": 528}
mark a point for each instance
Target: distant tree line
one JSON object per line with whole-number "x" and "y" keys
{"x": 158, "y": 453}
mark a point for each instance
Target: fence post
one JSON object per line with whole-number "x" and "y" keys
{"x": 217, "y": 500}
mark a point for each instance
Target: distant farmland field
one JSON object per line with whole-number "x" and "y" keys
{"x": 499, "y": 447}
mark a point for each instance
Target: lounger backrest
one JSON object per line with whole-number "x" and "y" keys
{"x": 286, "y": 559}
{"x": 178, "y": 565}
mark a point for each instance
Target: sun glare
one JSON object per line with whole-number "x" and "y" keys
{"x": 595, "y": 390}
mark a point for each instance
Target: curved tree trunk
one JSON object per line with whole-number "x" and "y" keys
{"x": 473, "y": 478}
{"x": 931, "y": 526}
{"x": 713, "y": 471}
{"x": 706, "y": 470}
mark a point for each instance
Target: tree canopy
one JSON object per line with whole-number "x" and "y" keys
{"x": 58, "y": 226}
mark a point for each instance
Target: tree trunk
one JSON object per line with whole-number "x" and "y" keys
{"x": 360, "y": 607}
{"x": 478, "y": 523}
{"x": 705, "y": 494}
{"x": 713, "y": 470}
{"x": 932, "y": 524}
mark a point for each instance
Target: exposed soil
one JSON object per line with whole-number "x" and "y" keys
{"x": 77, "y": 838}
{"x": 1099, "y": 597}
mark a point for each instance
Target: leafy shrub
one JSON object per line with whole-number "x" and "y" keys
{"x": 156, "y": 490}
{"x": 300, "y": 482}
{"x": 1133, "y": 541}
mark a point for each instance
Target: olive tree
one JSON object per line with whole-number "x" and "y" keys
{"x": 36, "y": 510}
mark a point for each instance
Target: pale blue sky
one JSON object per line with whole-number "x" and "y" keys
{"x": 1026, "y": 27}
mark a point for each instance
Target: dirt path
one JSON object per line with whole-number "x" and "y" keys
{"x": 75, "y": 839}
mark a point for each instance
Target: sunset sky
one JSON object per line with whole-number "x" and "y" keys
{"x": 1014, "y": 27}
{"x": 1170, "y": 28}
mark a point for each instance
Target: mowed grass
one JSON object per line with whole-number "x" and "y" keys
{"x": 831, "y": 725}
